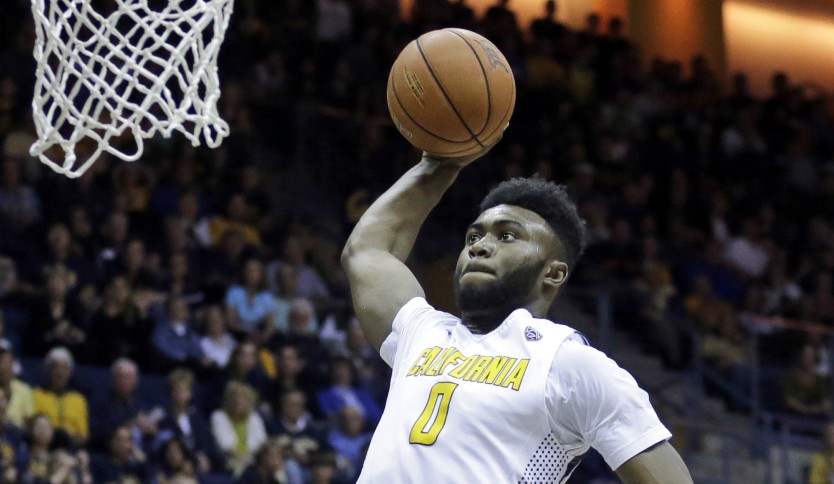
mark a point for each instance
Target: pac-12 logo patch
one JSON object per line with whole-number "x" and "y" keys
{"x": 532, "y": 334}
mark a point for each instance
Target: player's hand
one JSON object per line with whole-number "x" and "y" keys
{"x": 461, "y": 161}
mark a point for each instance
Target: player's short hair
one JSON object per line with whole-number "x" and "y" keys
{"x": 552, "y": 203}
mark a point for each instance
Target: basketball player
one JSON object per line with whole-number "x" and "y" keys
{"x": 501, "y": 394}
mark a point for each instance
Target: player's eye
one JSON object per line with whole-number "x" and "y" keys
{"x": 472, "y": 238}
{"x": 508, "y": 237}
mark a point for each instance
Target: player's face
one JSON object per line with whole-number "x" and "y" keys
{"x": 504, "y": 259}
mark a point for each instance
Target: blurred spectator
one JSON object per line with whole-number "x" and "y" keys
{"x": 334, "y": 328}
{"x": 723, "y": 280}
{"x": 294, "y": 374}
{"x": 185, "y": 423}
{"x": 180, "y": 280}
{"x": 270, "y": 466}
{"x": 121, "y": 407}
{"x": 115, "y": 233}
{"x": 20, "y": 406}
{"x": 595, "y": 213}
{"x": 342, "y": 393}
{"x": 175, "y": 342}
{"x": 20, "y": 205}
{"x": 243, "y": 367}
{"x": 132, "y": 263}
{"x": 818, "y": 302}
{"x": 742, "y": 136}
{"x": 236, "y": 218}
{"x": 746, "y": 251}
{"x": 724, "y": 343}
{"x": 49, "y": 461}
{"x": 118, "y": 328}
{"x": 302, "y": 333}
{"x": 251, "y": 185}
{"x": 282, "y": 280}
{"x": 333, "y": 24}
{"x": 821, "y": 470}
{"x": 67, "y": 409}
{"x": 134, "y": 182}
{"x": 350, "y": 441}
{"x": 83, "y": 242}
{"x": 62, "y": 253}
{"x": 250, "y": 307}
{"x": 805, "y": 392}
{"x": 547, "y": 28}
{"x": 619, "y": 255}
{"x": 369, "y": 367}
{"x": 57, "y": 317}
{"x": 14, "y": 456}
{"x": 217, "y": 344}
{"x": 195, "y": 225}
{"x": 657, "y": 310}
{"x": 237, "y": 428}
{"x": 308, "y": 283}
{"x": 221, "y": 267}
{"x": 782, "y": 294}
{"x": 718, "y": 225}
{"x": 296, "y": 424}
{"x": 176, "y": 465}
{"x": 124, "y": 462}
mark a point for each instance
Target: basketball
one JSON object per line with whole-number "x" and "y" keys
{"x": 451, "y": 92}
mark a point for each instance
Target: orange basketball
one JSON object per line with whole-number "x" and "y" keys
{"x": 451, "y": 92}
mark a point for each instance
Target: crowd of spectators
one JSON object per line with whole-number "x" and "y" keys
{"x": 215, "y": 274}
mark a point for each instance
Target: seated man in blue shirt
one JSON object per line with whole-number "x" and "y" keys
{"x": 174, "y": 340}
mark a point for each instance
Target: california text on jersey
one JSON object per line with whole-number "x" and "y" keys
{"x": 503, "y": 371}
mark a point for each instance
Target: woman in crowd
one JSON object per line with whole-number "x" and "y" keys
{"x": 250, "y": 307}
{"x": 238, "y": 429}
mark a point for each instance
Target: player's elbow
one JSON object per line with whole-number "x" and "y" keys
{"x": 347, "y": 255}
{"x": 350, "y": 253}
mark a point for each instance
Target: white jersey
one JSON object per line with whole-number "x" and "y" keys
{"x": 520, "y": 404}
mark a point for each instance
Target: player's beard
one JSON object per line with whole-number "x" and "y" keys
{"x": 486, "y": 305}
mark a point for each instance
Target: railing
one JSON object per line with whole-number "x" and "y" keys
{"x": 730, "y": 441}
{"x": 770, "y": 436}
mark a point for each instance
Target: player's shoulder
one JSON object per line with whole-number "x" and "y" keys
{"x": 576, "y": 359}
{"x": 418, "y": 309}
{"x": 553, "y": 330}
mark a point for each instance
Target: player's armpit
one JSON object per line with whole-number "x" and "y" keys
{"x": 380, "y": 285}
{"x": 659, "y": 464}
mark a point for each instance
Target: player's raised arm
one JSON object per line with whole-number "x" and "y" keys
{"x": 375, "y": 253}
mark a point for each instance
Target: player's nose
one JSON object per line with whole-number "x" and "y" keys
{"x": 482, "y": 248}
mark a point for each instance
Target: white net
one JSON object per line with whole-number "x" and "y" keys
{"x": 122, "y": 70}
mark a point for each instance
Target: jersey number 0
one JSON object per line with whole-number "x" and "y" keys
{"x": 426, "y": 428}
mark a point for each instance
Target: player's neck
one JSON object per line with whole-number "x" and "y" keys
{"x": 485, "y": 320}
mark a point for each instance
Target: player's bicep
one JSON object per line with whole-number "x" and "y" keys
{"x": 380, "y": 285}
{"x": 657, "y": 464}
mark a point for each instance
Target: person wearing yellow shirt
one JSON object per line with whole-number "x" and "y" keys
{"x": 66, "y": 408}
{"x": 235, "y": 219}
{"x": 822, "y": 463}
{"x": 20, "y": 406}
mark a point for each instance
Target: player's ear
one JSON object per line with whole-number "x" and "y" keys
{"x": 557, "y": 274}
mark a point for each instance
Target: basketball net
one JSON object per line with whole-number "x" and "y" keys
{"x": 103, "y": 78}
